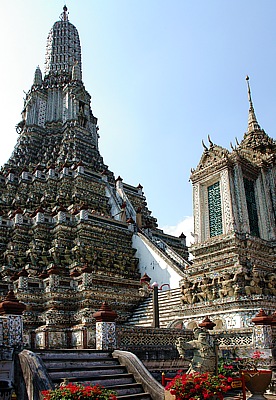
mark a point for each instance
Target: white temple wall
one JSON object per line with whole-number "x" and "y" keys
{"x": 154, "y": 266}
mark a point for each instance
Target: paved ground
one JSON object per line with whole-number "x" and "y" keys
{"x": 267, "y": 396}
{"x": 239, "y": 397}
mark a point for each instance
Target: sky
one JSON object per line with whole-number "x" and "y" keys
{"x": 163, "y": 75}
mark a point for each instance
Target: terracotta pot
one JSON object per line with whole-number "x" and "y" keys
{"x": 257, "y": 382}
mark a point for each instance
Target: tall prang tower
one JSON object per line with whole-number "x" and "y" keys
{"x": 71, "y": 235}
{"x": 234, "y": 195}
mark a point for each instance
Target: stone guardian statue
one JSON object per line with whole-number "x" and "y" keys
{"x": 204, "y": 357}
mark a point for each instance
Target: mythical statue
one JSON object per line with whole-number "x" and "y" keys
{"x": 270, "y": 289}
{"x": 187, "y": 292}
{"x": 204, "y": 358}
{"x": 228, "y": 283}
{"x": 254, "y": 283}
{"x": 205, "y": 290}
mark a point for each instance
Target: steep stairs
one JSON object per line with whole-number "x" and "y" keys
{"x": 91, "y": 367}
{"x": 169, "y": 307}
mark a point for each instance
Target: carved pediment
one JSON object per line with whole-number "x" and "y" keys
{"x": 211, "y": 158}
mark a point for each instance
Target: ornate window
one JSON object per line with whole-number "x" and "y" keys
{"x": 251, "y": 206}
{"x": 215, "y": 212}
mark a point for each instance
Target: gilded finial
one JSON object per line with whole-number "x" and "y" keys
{"x": 64, "y": 14}
{"x": 252, "y": 120}
{"x": 249, "y": 91}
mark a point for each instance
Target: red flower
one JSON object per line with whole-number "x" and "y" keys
{"x": 257, "y": 354}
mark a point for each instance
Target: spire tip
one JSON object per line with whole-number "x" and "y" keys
{"x": 252, "y": 120}
{"x": 64, "y": 14}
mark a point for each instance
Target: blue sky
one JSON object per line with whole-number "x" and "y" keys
{"x": 162, "y": 75}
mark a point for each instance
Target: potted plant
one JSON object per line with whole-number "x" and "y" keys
{"x": 256, "y": 378}
{"x": 197, "y": 386}
{"x": 74, "y": 391}
{"x": 228, "y": 367}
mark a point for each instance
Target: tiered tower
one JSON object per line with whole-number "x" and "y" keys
{"x": 234, "y": 196}
{"x": 67, "y": 226}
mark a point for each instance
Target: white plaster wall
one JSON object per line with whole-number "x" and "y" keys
{"x": 154, "y": 266}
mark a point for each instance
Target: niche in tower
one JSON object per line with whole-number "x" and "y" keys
{"x": 251, "y": 206}
{"x": 82, "y": 117}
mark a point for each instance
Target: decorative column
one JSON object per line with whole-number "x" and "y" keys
{"x": 11, "y": 339}
{"x": 12, "y": 309}
{"x": 105, "y": 328}
{"x": 262, "y": 331}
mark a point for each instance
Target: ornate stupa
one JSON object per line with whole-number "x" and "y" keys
{"x": 73, "y": 236}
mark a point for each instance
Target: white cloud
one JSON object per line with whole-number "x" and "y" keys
{"x": 186, "y": 226}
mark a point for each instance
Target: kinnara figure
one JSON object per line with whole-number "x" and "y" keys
{"x": 204, "y": 358}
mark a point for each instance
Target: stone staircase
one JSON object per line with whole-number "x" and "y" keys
{"x": 169, "y": 308}
{"x": 91, "y": 367}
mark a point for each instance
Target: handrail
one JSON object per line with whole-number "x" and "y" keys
{"x": 140, "y": 373}
{"x": 35, "y": 374}
{"x": 129, "y": 206}
{"x": 162, "y": 253}
{"x": 167, "y": 249}
{"x": 113, "y": 198}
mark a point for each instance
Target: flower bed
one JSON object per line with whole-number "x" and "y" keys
{"x": 72, "y": 391}
{"x": 198, "y": 386}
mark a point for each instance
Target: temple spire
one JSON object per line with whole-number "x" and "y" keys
{"x": 252, "y": 120}
{"x": 37, "y": 77}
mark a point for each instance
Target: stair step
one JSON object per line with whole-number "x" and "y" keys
{"x": 84, "y": 373}
{"x": 141, "y": 396}
{"x": 131, "y": 388}
{"x": 103, "y": 380}
{"x": 91, "y": 365}
{"x": 73, "y": 355}
{"x": 168, "y": 301}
